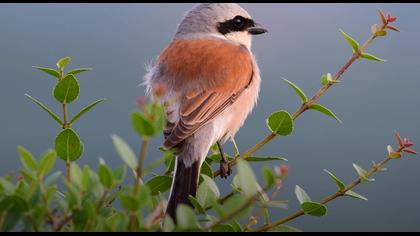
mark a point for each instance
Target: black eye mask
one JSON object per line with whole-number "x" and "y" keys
{"x": 237, "y": 24}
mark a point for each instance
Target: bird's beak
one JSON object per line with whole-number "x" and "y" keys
{"x": 257, "y": 29}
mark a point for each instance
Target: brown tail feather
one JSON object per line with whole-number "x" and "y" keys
{"x": 184, "y": 184}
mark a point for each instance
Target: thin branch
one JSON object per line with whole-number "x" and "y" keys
{"x": 306, "y": 105}
{"x": 375, "y": 168}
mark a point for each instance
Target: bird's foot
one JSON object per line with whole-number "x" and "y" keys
{"x": 225, "y": 169}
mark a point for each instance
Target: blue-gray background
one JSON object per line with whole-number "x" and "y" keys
{"x": 116, "y": 40}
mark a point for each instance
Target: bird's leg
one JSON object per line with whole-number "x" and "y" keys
{"x": 225, "y": 169}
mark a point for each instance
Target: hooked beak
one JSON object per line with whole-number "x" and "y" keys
{"x": 257, "y": 29}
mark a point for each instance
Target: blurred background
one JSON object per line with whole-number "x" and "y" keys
{"x": 304, "y": 42}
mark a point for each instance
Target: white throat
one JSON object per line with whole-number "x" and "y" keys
{"x": 240, "y": 37}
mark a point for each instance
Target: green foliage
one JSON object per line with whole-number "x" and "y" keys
{"x": 46, "y": 109}
{"x": 371, "y": 57}
{"x": 68, "y": 145}
{"x": 299, "y": 91}
{"x": 353, "y": 43}
{"x": 324, "y": 110}
{"x": 309, "y": 207}
{"x": 67, "y": 90}
{"x": 85, "y": 110}
{"x": 337, "y": 181}
{"x": 280, "y": 123}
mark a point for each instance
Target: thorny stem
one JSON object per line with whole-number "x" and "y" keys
{"x": 306, "y": 105}
{"x": 375, "y": 168}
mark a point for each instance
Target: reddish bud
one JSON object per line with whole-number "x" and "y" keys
{"x": 20, "y": 178}
{"x": 393, "y": 28}
{"x": 159, "y": 90}
{"x": 284, "y": 169}
{"x": 382, "y": 15}
{"x": 408, "y": 143}
{"x": 409, "y": 150}
{"x": 141, "y": 101}
{"x": 391, "y": 18}
{"x": 399, "y": 140}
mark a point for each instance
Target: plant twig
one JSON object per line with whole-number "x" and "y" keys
{"x": 305, "y": 106}
{"x": 375, "y": 168}
{"x": 142, "y": 157}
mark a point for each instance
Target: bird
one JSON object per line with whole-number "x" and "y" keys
{"x": 212, "y": 81}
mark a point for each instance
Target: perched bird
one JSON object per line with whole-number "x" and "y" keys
{"x": 212, "y": 83}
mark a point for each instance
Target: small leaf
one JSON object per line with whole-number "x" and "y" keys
{"x": 324, "y": 79}
{"x": 269, "y": 176}
{"x": 46, "y": 163}
{"x": 266, "y": 158}
{"x": 380, "y": 33}
{"x": 236, "y": 226}
{"x": 362, "y": 173}
{"x": 142, "y": 125}
{"x": 105, "y": 176}
{"x": 186, "y": 218}
{"x": 196, "y": 205}
{"x": 382, "y": 16}
{"x": 206, "y": 169}
{"x": 46, "y": 109}
{"x": 68, "y": 145}
{"x": 158, "y": 184}
{"x": 355, "y": 195}
{"x": 63, "y": 62}
{"x": 337, "y": 181}
{"x": 324, "y": 110}
{"x": 78, "y": 70}
{"x": 129, "y": 202}
{"x": 299, "y": 91}
{"x": 314, "y": 208}
{"x": 168, "y": 224}
{"x": 280, "y": 123}
{"x": 125, "y": 152}
{"x": 223, "y": 228}
{"x": 391, "y": 27}
{"x": 301, "y": 195}
{"x": 246, "y": 179}
{"x": 27, "y": 159}
{"x": 207, "y": 192}
{"x": 67, "y": 90}
{"x": 119, "y": 173}
{"x": 84, "y": 110}
{"x": 353, "y": 43}
{"x": 371, "y": 57}
{"x": 49, "y": 71}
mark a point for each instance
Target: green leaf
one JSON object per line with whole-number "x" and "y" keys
{"x": 301, "y": 195}
{"x": 299, "y": 91}
{"x": 51, "y": 179}
{"x": 280, "y": 123}
{"x": 84, "y": 110}
{"x": 362, "y": 173}
{"x": 223, "y": 228}
{"x": 355, "y": 195}
{"x": 159, "y": 183}
{"x": 46, "y": 163}
{"x": 142, "y": 125}
{"x": 269, "y": 176}
{"x": 168, "y": 224}
{"x": 68, "y": 145}
{"x": 380, "y": 33}
{"x": 119, "y": 174}
{"x": 206, "y": 169}
{"x": 196, "y": 205}
{"x": 78, "y": 70}
{"x": 284, "y": 228}
{"x": 27, "y": 159}
{"x": 324, "y": 79}
{"x": 207, "y": 192}
{"x": 46, "y": 109}
{"x": 186, "y": 218}
{"x": 314, "y": 208}
{"x": 371, "y": 57}
{"x": 236, "y": 226}
{"x": 49, "y": 71}
{"x": 337, "y": 181}
{"x": 76, "y": 175}
{"x": 266, "y": 158}
{"x": 125, "y": 152}
{"x": 324, "y": 110}
{"x": 246, "y": 179}
{"x": 67, "y": 90}
{"x": 353, "y": 43}
{"x": 105, "y": 176}
{"x": 129, "y": 202}
{"x": 63, "y": 62}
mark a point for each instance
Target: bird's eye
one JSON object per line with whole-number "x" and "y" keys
{"x": 238, "y": 22}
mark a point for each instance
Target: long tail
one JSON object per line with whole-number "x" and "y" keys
{"x": 184, "y": 184}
